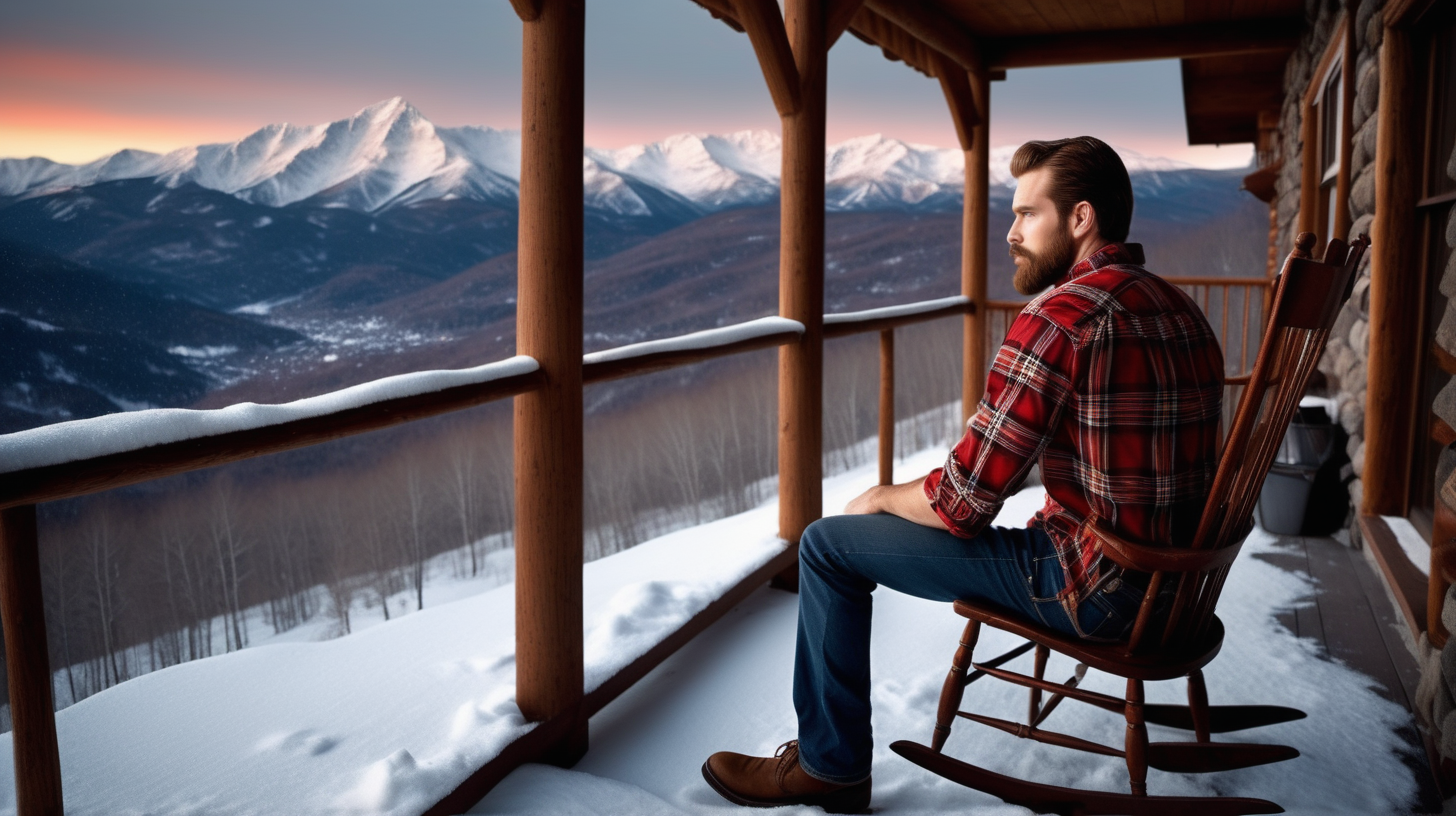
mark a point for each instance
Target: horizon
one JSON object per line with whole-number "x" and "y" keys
{"x": 700, "y": 134}
{"x": 82, "y": 79}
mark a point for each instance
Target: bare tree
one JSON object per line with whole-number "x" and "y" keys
{"x": 229, "y": 549}
{"x": 463, "y": 488}
{"x": 105, "y": 574}
{"x": 58, "y": 594}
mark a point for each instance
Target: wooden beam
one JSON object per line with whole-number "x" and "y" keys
{"x": 760, "y": 18}
{"x": 894, "y": 42}
{"x": 801, "y": 277}
{"x": 974, "y": 235}
{"x": 1395, "y": 287}
{"x": 836, "y": 326}
{"x": 527, "y": 10}
{"x": 932, "y": 26}
{"x": 837, "y": 17}
{"x": 1122, "y": 45}
{"x": 956, "y": 85}
{"x": 603, "y": 370}
{"x": 78, "y": 478}
{"x": 548, "y": 422}
{"x": 722, "y": 10}
{"x": 27, "y": 666}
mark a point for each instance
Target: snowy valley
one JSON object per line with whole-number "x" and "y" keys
{"x": 302, "y": 259}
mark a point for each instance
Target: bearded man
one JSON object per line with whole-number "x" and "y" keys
{"x": 1110, "y": 381}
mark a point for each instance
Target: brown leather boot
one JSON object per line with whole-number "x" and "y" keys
{"x": 778, "y": 780}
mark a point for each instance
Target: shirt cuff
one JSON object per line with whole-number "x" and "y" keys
{"x": 932, "y": 489}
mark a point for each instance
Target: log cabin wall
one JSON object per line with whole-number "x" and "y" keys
{"x": 1345, "y": 363}
{"x": 1393, "y": 347}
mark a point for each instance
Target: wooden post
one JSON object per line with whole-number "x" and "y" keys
{"x": 974, "y": 229}
{"x": 28, "y": 667}
{"x": 801, "y": 277}
{"x": 1395, "y": 286}
{"x": 887, "y": 406}
{"x": 548, "y": 422}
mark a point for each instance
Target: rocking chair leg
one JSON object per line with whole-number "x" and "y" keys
{"x": 1198, "y": 704}
{"x": 1040, "y": 674}
{"x": 955, "y": 685}
{"x": 1137, "y": 739}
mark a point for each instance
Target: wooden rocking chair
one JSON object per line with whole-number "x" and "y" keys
{"x": 1307, "y": 297}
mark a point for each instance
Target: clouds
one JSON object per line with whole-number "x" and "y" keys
{"x": 160, "y": 74}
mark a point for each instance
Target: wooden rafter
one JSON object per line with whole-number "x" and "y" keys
{"x": 956, "y": 84}
{"x": 765, "y": 28}
{"x": 527, "y": 10}
{"x": 934, "y": 28}
{"x": 896, "y": 43}
{"x": 1167, "y": 42}
{"x": 837, "y": 17}
{"x": 722, "y": 10}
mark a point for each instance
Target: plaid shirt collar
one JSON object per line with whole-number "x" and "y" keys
{"x": 1114, "y": 253}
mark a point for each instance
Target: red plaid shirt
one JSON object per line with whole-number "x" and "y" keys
{"x": 1113, "y": 382}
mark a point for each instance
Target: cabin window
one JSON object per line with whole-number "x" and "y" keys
{"x": 1328, "y": 111}
{"x": 1324, "y": 182}
{"x": 1433, "y": 208}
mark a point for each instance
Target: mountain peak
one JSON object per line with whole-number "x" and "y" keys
{"x": 389, "y": 154}
{"x": 391, "y": 109}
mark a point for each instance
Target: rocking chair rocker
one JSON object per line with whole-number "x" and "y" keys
{"x": 1308, "y": 295}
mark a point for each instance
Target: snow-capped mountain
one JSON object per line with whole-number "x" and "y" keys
{"x": 301, "y": 259}
{"x": 389, "y": 155}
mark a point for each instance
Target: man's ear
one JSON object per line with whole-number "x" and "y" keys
{"x": 1083, "y": 220}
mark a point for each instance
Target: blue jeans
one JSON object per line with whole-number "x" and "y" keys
{"x": 841, "y": 561}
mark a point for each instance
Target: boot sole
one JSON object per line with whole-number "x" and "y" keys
{"x": 853, "y": 799}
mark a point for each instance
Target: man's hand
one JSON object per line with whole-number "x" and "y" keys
{"x": 904, "y": 500}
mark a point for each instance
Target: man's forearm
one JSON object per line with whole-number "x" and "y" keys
{"x": 907, "y": 501}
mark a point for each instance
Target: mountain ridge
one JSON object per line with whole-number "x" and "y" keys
{"x": 390, "y": 155}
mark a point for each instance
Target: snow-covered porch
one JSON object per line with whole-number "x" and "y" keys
{"x": 1310, "y": 625}
{"x": 390, "y": 719}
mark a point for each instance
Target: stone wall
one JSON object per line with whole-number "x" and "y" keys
{"x": 1344, "y": 362}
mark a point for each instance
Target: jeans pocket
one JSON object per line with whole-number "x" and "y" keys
{"x": 1098, "y": 618}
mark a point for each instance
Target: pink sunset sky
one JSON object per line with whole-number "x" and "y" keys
{"x": 80, "y": 79}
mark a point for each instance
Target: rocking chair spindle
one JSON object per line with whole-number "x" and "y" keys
{"x": 1307, "y": 296}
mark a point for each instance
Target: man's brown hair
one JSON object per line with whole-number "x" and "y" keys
{"x": 1083, "y": 168}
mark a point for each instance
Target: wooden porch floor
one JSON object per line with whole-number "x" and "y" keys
{"x": 1352, "y": 616}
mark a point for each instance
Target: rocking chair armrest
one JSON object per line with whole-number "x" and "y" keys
{"x": 1140, "y": 558}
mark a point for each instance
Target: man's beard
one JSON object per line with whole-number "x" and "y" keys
{"x": 1041, "y": 270}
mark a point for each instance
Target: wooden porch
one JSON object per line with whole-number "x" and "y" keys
{"x": 1354, "y": 618}
{"x": 962, "y": 44}
{"x": 1346, "y": 612}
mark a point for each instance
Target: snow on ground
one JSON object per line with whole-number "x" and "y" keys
{"x": 730, "y": 690}
{"x": 388, "y": 719}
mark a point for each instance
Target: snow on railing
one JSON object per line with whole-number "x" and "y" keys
{"x": 115, "y": 433}
{"x": 95, "y": 437}
{"x": 920, "y": 309}
{"x": 689, "y": 348}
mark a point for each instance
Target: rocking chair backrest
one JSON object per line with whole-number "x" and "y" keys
{"x": 1307, "y": 297}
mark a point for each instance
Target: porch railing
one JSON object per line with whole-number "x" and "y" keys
{"x": 1236, "y": 308}
{"x": 88, "y": 456}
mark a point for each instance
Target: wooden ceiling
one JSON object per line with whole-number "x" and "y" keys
{"x": 1233, "y": 51}
{"x": 1032, "y": 18}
